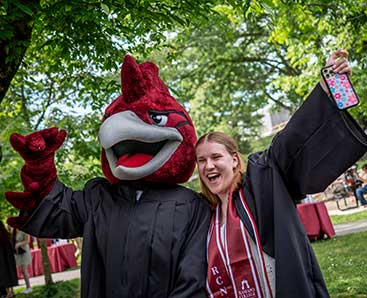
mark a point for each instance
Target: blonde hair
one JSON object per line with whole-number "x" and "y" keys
{"x": 232, "y": 148}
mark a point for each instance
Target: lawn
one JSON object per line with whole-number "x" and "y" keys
{"x": 337, "y": 219}
{"x": 343, "y": 263}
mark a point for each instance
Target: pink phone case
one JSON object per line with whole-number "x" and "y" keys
{"x": 341, "y": 88}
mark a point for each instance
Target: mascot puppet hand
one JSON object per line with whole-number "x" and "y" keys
{"x": 38, "y": 173}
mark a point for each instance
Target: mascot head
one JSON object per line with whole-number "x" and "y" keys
{"x": 146, "y": 134}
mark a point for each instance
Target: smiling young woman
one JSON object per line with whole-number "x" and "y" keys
{"x": 256, "y": 245}
{"x": 220, "y": 167}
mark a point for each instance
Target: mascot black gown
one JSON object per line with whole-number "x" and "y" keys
{"x": 143, "y": 234}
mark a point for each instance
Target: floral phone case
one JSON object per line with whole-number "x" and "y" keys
{"x": 341, "y": 88}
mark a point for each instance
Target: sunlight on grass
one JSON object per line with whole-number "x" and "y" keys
{"x": 337, "y": 219}
{"x": 344, "y": 265}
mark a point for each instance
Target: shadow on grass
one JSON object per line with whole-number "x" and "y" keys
{"x": 65, "y": 289}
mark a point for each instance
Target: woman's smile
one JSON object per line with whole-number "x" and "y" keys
{"x": 216, "y": 166}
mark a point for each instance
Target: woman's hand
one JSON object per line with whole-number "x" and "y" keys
{"x": 339, "y": 61}
{"x": 340, "y": 64}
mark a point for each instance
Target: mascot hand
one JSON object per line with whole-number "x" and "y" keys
{"x": 39, "y": 172}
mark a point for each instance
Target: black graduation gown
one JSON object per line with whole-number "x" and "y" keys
{"x": 8, "y": 271}
{"x": 154, "y": 247}
{"x": 318, "y": 144}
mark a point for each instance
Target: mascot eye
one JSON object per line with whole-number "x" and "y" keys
{"x": 159, "y": 119}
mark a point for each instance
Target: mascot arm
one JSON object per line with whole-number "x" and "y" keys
{"x": 311, "y": 150}
{"x": 62, "y": 213}
{"x": 38, "y": 174}
{"x": 192, "y": 267}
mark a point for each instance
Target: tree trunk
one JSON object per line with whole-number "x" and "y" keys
{"x": 16, "y": 27}
{"x": 45, "y": 262}
{"x": 78, "y": 242}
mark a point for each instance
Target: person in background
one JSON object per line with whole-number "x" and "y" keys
{"x": 8, "y": 271}
{"x": 308, "y": 199}
{"x": 23, "y": 256}
{"x": 257, "y": 246}
{"x": 352, "y": 182}
{"x": 361, "y": 191}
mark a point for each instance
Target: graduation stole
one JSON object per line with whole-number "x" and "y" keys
{"x": 231, "y": 268}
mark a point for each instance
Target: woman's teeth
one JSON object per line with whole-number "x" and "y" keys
{"x": 212, "y": 177}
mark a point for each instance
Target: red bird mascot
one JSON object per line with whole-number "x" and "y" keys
{"x": 143, "y": 235}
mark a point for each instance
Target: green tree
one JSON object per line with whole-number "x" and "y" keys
{"x": 16, "y": 24}
{"x": 238, "y": 62}
{"x": 226, "y": 71}
{"x": 310, "y": 31}
{"x": 98, "y": 31}
{"x": 75, "y": 46}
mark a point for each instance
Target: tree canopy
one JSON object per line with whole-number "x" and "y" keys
{"x": 235, "y": 63}
{"x": 91, "y": 32}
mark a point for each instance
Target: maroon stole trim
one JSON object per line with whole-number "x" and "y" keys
{"x": 231, "y": 269}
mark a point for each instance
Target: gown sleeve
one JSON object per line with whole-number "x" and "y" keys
{"x": 317, "y": 145}
{"x": 62, "y": 213}
{"x": 190, "y": 277}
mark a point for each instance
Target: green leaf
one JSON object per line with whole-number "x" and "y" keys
{"x": 3, "y": 11}
{"x": 24, "y": 8}
{"x": 105, "y": 8}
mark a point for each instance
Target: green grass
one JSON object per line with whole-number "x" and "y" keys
{"x": 343, "y": 263}
{"x": 66, "y": 289}
{"x": 337, "y": 219}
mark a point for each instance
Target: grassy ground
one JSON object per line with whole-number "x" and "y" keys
{"x": 343, "y": 263}
{"x": 66, "y": 289}
{"x": 337, "y": 219}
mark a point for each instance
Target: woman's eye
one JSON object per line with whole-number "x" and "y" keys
{"x": 160, "y": 120}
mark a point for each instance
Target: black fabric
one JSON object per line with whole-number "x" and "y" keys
{"x": 154, "y": 247}
{"x": 19, "y": 251}
{"x": 318, "y": 144}
{"x": 8, "y": 272}
{"x": 2, "y": 291}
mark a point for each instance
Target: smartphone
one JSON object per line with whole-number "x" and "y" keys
{"x": 340, "y": 88}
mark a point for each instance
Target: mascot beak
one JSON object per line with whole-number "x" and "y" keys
{"x": 135, "y": 149}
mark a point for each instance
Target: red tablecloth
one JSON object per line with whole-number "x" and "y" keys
{"x": 316, "y": 220}
{"x": 61, "y": 257}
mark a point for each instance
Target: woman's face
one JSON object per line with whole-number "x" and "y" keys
{"x": 216, "y": 167}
